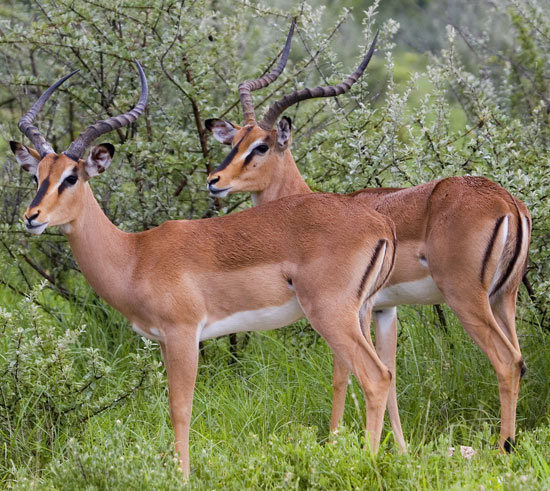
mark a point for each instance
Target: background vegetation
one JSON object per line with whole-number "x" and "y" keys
{"x": 455, "y": 88}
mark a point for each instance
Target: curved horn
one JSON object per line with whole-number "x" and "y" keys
{"x": 30, "y": 131}
{"x": 277, "y": 108}
{"x": 78, "y": 147}
{"x": 250, "y": 85}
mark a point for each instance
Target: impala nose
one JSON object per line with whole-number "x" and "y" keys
{"x": 213, "y": 181}
{"x": 214, "y": 190}
{"x": 32, "y": 217}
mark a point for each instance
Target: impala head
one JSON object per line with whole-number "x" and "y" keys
{"x": 62, "y": 178}
{"x": 257, "y": 147}
{"x": 249, "y": 165}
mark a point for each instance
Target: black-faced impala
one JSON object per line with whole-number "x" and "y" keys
{"x": 184, "y": 281}
{"x": 462, "y": 241}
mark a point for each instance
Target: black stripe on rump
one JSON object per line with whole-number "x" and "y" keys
{"x": 512, "y": 264}
{"x": 390, "y": 270}
{"x": 373, "y": 260}
{"x": 231, "y": 154}
{"x": 41, "y": 192}
{"x": 490, "y": 248}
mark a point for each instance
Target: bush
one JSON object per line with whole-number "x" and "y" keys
{"x": 51, "y": 385}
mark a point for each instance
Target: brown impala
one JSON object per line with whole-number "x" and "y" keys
{"x": 462, "y": 241}
{"x": 185, "y": 281}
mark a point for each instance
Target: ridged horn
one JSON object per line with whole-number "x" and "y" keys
{"x": 277, "y": 108}
{"x": 83, "y": 141}
{"x": 30, "y": 131}
{"x": 245, "y": 88}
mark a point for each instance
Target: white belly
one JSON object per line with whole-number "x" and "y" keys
{"x": 254, "y": 320}
{"x": 422, "y": 291}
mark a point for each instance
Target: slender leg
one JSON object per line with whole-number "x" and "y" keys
{"x": 385, "y": 322}
{"x": 386, "y": 346}
{"x": 504, "y": 310}
{"x": 503, "y": 306}
{"x": 480, "y": 324}
{"x": 342, "y": 331}
{"x": 180, "y": 354}
{"x": 340, "y": 379}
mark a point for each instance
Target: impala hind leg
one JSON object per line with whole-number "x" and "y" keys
{"x": 477, "y": 319}
{"x": 385, "y": 322}
{"x": 180, "y": 355}
{"x": 340, "y": 380}
{"x": 503, "y": 306}
{"x": 352, "y": 352}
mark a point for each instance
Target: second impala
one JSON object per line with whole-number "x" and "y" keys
{"x": 462, "y": 241}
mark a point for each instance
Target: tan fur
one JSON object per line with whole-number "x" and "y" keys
{"x": 176, "y": 279}
{"x": 446, "y": 224}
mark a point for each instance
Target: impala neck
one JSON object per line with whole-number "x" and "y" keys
{"x": 286, "y": 181}
{"x": 102, "y": 252}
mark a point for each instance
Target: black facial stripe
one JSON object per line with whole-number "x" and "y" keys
{"x": 253, "y": 152}
{"x": 41, "y": 192}
{"x": 64, "y": 184}
{"x": 248, "y": 158}
{"x": 231, "y": 154}
{"x": 229, "y": 157}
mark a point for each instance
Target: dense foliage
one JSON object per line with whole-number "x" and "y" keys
{"x": 474, "y": 101}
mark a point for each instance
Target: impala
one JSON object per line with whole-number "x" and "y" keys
{"x": 462, "y": 241}
{"x": 186, "y": 281}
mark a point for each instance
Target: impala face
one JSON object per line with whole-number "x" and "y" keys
{"x": 249, "y": 165}
{"x": 257, "y": 147}
{"x": 61, "y": 181}
{"x": 62, "y": 177}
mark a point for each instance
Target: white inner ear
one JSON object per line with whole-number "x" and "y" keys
{"x": 283, "y": 133}
{"x": 98, "y": 160}
{"x": 224, "y": 132}
{"x": 27, "y": 161}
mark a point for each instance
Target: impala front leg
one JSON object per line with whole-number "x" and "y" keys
{"x": 180, "y": 355}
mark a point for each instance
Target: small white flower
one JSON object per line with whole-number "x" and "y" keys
{"x": 467, "y": 452}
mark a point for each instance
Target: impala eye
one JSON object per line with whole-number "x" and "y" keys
{"x": 71, "y": 179}
{"x": 262, "y": 148}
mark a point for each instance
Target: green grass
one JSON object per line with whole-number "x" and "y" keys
{"x": 263, "y": 421}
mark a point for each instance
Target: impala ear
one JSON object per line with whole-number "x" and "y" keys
{"x": 284, "y": 132}
{"x": 99, "y": 159}
{"x": 223, "y": 131}
{"x": 28, "y": 158}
